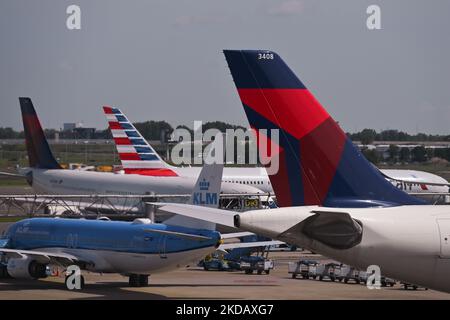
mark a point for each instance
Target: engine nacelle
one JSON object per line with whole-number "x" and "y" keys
{"x": 26, "y": 268}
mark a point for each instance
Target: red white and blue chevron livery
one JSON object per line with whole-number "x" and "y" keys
{"x": 136, "y": 155}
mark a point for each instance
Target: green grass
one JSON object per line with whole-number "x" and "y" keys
{"x": 13, "y": 182}
{"x": 11, "y": 219}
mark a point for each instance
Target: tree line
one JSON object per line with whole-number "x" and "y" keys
{"x": 396, "y": 154}
{"x": 367, "y": 136}
{"x": 152, "y": 130}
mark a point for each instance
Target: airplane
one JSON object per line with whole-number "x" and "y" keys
{"x": 334, "y": 201}
{"x": 139, "y": 157}
{"x": 46, "y": 176}
{"x": 134, "y": 249}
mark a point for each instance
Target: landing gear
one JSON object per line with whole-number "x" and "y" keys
{"x": 138, "y": 280}
{"x": 4, "y": 272}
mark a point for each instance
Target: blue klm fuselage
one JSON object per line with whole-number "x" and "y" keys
{"x": 114, "y": 236}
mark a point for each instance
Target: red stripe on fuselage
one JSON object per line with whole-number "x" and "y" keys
{"x": 297, "y": 111}
{"x": 129, "y": 156}
{"x": 320, "y": 153}
{"x": 122, "y": 141}
{"x": 152, "y": 172}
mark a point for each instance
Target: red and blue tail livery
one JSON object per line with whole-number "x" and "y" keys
{"x": 136, "y": 155}
{"x": 318, "y": 164}
{"x": 39, "y": 154}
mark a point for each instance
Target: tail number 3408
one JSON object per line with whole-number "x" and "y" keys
{"x": 265, "y": 56}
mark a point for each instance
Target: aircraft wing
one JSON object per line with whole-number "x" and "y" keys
{"x": 9, "y": 174}
{"x": 236, "y": 235}
{"x": 188, "y": 236}
{"x": 227, "y": 246}
{"x": 218, "y": 216}
{"x": 41, "y": 256}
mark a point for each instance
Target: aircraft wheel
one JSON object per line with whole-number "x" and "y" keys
{"x": 133, "y": 280}
{"x": 143, "y": 280}
{"x": 294, "y": 276}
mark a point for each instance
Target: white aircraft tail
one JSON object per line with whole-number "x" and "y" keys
{"x": 136, "y": 154}
{"x": 206, "y": 193}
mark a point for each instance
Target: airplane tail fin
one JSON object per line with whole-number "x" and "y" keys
{"x": 136, "y": 154}
{"x": 39, "y": 153}
{"x": 206, "y": 193}
{"x": 318, "y": 164}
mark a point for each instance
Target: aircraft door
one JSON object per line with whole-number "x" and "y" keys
{"x": 444, "y": 233}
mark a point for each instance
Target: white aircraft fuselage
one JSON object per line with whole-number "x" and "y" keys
{"x": 408, "y": 243}
{"x": 257, "y": 177}
{"x": 55, "y": 181}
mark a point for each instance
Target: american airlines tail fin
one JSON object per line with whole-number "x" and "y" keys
{"x": 39, "y": 153}
{"x": 206, "y": 193}
{"x": 136, "y": 155}
{"x": 318, "y": 164}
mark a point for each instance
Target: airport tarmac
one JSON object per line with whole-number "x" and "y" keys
{"x": 195, "y": 283}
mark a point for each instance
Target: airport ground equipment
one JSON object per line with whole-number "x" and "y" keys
{"x": 215, "y": 261}
{"x": 328, "y": 270}
{"x": 349, "y": 273}
{"x": 408, "y": 286}
{"x": 259, "y": 262}
{"x": 256, "y": 263}
{"x": 304, "y": 268}
{"x": 385, "y": 281}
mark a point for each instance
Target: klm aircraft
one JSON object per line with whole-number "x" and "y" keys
{"x": 135, "y": 249}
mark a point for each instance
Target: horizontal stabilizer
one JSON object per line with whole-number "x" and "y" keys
{"x": 213, "y": 215}
{"x": 228, "y": 246}
{"x": 236, "y": 235}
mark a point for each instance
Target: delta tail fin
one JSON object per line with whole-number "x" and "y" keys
{"x": 136, "y": 154}
{"x": 39, "y": 153}
{"x": 206, "y": 193}
{"x": 318, "y": 164}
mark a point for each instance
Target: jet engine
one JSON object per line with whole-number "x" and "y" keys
{"x": 26, "y": 268}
